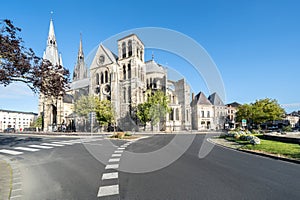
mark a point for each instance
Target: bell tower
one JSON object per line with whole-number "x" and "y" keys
{"x": 131, "y": 72}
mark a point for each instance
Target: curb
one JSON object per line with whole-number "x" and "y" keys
{"x": 257, "y": 153}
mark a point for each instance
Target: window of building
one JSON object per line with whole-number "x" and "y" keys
{"x": 102, "y": 78}
{"x": 97, "y": 79}
{"x": 208, "y": 114}
{"x": 187, "y": 115}
{"x": 129, "y": 48}
{"x": 177, "y": 114}
{"x": 124, "y": 72}
{"x": 129, "y": 71}
{"x": 123, "y": 50}
{"x": 171, "y": 115}
{"x": 202, "y": 113}
{"x": 106, "y": 77}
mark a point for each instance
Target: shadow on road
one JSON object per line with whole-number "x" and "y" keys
{"x": 12, "y": 141}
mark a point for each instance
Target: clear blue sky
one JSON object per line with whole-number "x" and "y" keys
{"x": 255, "y": 44}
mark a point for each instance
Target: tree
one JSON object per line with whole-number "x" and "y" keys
{"x": 85, "y": 105}
{"x": 105, "y": 113}
{"x": 38, "y": 122}
{"x": 260, "y": 111}
{"x": 19, "y": 64}
{"x": 143, "y": 113}
{"x": 154, "y": 109}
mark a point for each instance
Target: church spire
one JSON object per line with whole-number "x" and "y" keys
{"x": 80, "y": 51}
{"x": 51, "y": 52}
{"x": 80, "y": 71}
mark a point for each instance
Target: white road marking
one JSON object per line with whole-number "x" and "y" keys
{"x": 54, "y": 145}
{"x": 108, "y": 190}
{"x": 114, "y": 160}
{"x": 112, "y": 175}
{"x": 40, "y": 147}
{"x": 121, "y": 148}
{"x": 26, "y": 149}
{"x": 116, "y": 155}
{"x": 113, "y": 166}
{"x": 18, "y": 196}
{"x": 121, "y": 151}
{"x": 66, "y": 143}
{"x": 11, "y": 152}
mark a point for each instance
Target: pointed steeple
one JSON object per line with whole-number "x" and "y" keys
{"x": 80, "y": 51}
{"x": 80, "y": 71}
{"x": 51, "y": 52}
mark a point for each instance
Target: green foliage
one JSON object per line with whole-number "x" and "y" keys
{"x": 260, "y": 111}
{"x": 277, "y": 148}
{"x": 38, "y": 122}
{"x": 154, "y": 109}
{"x": 105, "y": 112}
{"x": 85, "y": 105}
{"x": 287, "y": 129}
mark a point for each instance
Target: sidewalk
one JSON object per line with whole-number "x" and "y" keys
{"x": 5, "y": 179}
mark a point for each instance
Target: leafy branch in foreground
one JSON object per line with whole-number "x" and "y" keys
{"x": 19, "y": 64}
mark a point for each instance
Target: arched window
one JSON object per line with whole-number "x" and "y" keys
{"x": 124, "y": 72}
{"x": 151, "y": 83}
{"x": 129, "y": 48}
{"x": 141, "y": 55}
{"x": 106, "y": 77}
{"x": 177, "y": 114}
{"x": 129, "y": 71}
{"x": 123, "y": 50}
{"x": 171, "y": 117}
{"x": 154, "y": 84}
{"x": 97, "y": 79}
{"x": 102, "y": 78}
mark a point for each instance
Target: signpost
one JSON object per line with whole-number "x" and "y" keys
{"x": 244, "y": 122}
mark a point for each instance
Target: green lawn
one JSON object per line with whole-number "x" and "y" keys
{"x": 278, "y": 148}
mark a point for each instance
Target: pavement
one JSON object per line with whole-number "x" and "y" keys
{"x": 92, "y": 168}
{"x": 5, "y": 179}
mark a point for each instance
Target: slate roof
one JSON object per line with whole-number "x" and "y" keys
{"x": 152, "y": 66}
{"x": 233, "y": 104}
{"x": 109, "y": 54}
{"x": 215, "y": 99}
{"x": 201, "y": 99}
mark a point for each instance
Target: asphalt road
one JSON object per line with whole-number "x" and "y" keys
{"x": 74, "y": 171}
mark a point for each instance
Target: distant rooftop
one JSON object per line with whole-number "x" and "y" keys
{"x": 14, "y": 111}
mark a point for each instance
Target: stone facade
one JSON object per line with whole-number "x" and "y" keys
{"x": 123, "y": 79}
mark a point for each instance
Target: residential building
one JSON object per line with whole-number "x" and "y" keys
{"x": 16, "y": 119}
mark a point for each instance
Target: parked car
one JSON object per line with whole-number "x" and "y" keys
{"x": 9, "y": 130}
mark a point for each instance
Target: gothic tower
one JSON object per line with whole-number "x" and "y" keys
{"x": 80, "y": 71}
{"x": 131, "y": 72}
{"x": 50, "y": 108}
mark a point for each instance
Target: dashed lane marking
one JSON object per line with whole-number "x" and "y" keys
{"x": 11, "y": 152}
{"x": 116, "y": 155}
{"x": 40, "y": 146}
{"x": 26, "y": 149}
{"x": 121, "y": 148}
{"x": 108, "y": 190}
{"x": 119, "y": 151}
{"x": 112, "y": 175}
{"x": 114, "y": 160}
{"x": 66, "y": 143}
{"x": 113, "y": 166}
{"x": 53, "y": 145}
